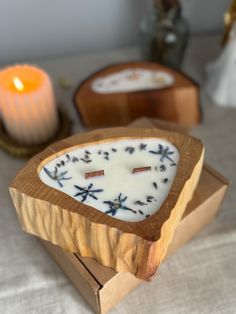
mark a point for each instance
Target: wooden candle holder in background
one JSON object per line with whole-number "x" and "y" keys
{"x": 136, "y": 247}
{"x": 177, "y": 103}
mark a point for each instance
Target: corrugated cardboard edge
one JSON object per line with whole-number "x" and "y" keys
{"x": 77, "y": 273}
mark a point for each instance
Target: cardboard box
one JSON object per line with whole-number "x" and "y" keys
{"x": 102, "y": 287}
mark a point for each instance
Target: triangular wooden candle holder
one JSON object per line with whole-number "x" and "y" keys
{"x": 137, "y": 247}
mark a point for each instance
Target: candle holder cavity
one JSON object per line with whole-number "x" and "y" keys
{"x": 20, "y": 150}
{"x": 116, "y": 195}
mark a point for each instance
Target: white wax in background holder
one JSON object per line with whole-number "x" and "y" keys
{"x": 131, "y": 80}
{"x": 27, "y": 104}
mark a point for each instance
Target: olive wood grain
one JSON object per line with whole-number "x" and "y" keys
{"x": 136, "y": 247}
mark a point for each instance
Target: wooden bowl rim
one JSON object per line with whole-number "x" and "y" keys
{"x": 190, "y": 149}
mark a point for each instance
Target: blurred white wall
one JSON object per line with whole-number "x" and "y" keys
{"x": 32, "y": 29}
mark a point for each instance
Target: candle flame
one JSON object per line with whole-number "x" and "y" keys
{"x": 18, "y": 84}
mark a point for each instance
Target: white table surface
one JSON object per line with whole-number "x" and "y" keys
{"x": 200, "y": 278}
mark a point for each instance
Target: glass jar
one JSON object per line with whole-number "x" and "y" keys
{"x": 164, "y": 36}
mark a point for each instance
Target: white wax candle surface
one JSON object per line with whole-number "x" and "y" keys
{"x": 27, "y": 104}
{"x": 131, "y": 80}
{"x": 119, "y": 193}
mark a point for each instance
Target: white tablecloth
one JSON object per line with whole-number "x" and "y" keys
{"x": 200, "y": 278}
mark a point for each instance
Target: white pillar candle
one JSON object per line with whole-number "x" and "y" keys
{"x": 27, "y": 104}
{"x": 126, "y": 179}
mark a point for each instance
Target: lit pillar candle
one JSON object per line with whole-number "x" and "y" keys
{"x": 27, "y": 104}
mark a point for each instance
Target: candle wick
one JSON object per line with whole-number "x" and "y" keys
{"x": 141, "y": 169}
{"x": 93, "y": 174}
